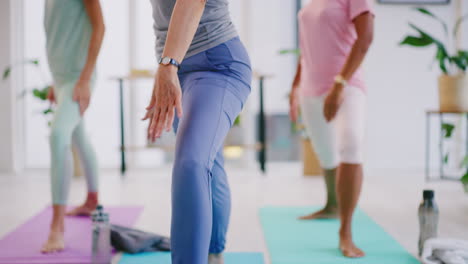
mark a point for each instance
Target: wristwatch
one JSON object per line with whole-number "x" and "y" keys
{"x": 169, "y": 61}
{"x": 339, "y": 79}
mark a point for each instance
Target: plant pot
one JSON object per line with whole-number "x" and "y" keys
{"x": 453, "y": 93}
{"x": 311, "y": 164}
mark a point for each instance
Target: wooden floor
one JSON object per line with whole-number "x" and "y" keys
{"x": 390, "y": 197}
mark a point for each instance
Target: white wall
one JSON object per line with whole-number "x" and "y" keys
{"x": 6, "y": 150}
{"x": 10, "y": 54}
{"x": 401, "y": 84}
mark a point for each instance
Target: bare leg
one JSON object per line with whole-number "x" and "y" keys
{"x": 330, "y": 210}
{"x": 348, "y": 188}
{"x": 87, "y": 207}
{"x": 55, "y": 242}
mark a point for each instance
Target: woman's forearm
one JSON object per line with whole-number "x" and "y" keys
{"x": 93, "y": 9}
{"x": 184, "y": 23}
{"x": 364, "y": 28}
{"x": 297, "y": 77}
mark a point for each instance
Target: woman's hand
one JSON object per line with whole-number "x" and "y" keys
{"x": 82, "y": 95}
{"x": 333, "y": 102}
{"x": 166, "y": 98}
{"x": 51, "y": 95}
{"x": 294, "y": 103}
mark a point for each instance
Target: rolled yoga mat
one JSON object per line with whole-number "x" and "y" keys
{"x": 165, "y": 258}
{"x": 292, "y": 241}
{"x": 23, "y": 245}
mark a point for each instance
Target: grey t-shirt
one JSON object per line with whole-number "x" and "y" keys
{"x": 215, "y": 26}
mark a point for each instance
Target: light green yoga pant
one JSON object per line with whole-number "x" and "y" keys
{"x": 67, "y": 129}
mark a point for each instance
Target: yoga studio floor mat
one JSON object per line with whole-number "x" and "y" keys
{"x": 23, "y": 245}
{"x": 165, "y": 258}
{"x": 292, "y": 241}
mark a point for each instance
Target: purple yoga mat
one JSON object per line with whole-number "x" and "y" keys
{"x": 23, "y": 245}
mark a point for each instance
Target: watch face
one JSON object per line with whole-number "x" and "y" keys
{"x": 166, "y": 60}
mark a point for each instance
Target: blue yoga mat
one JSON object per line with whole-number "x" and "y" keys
{"x": 165, "y": 258}
{"x": 292, "y": 241}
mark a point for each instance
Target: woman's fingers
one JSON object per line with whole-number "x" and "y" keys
{"x": 162, "y": 121}
{"x": 152, "y": 126}
{"x": 152, "y": 103}
{"x": 170, "y": 119}
{"x": 178, "y": 106}
{"x": 148, "y": 130}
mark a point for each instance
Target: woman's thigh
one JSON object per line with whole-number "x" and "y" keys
{"x": 350, "y": 126}
{"x": 321, "y": 133}
{"x": 210, "y": 109}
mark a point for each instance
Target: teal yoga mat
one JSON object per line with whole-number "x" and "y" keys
{"x": 292, "y": 241}
{"x": 165, "y": 258}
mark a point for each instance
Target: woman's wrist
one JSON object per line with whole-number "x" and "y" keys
{"x": 338, "y": 87}
{"x": 167, "y": 69}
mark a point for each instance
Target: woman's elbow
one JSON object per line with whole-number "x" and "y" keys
{"x": 100, "y": 29}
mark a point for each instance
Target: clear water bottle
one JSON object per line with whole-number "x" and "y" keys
{"x": 101, "y": 244}
{"x": 428, "y": 218}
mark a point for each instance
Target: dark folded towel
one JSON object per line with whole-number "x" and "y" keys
{"x": 135, "y": 241}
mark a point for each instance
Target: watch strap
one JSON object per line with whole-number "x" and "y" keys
{"x": 170, "y": 61}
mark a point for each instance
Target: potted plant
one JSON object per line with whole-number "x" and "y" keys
{"x": 40, "y": 93}
{"x": 453, "y": 83}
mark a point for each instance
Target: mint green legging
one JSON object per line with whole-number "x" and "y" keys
{"x": 68, "y": 129}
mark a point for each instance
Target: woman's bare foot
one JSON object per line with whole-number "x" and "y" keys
{"x": 55, "y": 242}
{"x": 216, "y": 259}
{"x": 82, "y": 210}
{"x": 349, "y": 249}
{"x": 325, "y": 213}
{"x": 87, "y": 208}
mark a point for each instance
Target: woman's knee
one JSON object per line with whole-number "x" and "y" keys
{"x": 351, "y": 151}
{"x": 60, "y": 137}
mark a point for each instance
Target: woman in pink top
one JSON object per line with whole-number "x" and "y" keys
{"x": 334, "y": 38}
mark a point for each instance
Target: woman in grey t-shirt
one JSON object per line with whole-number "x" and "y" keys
{"x": 200, "y": 97}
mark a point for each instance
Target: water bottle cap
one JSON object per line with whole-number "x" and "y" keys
{"x": 428, "y": 194}
{"x": 99, "y": 215}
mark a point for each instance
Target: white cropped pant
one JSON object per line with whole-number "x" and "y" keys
{"x": 341, "y": 140}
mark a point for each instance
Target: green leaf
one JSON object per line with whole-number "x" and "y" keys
{"x": 290, "y": 51}
{"x": 463, "y": 55}
{"x": 446, "y": 158}
{"x": 442, "y": 56}
{"x": 460, "y": 62}
{"x": 34, "y": 61}
{"x": 41, "y": 93}
{"x": 237, "y": 121}
{"x": 458, "y": 24}
{"x": 6, "y": 73}
{"x": 428, "y": 13}
{"x": 417, "y": 41}
{"x": 464, "y": 181}
{"x": 447, "y": 129}
{"x": 48, "y": 111}
{"x": 464, "y": 163}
